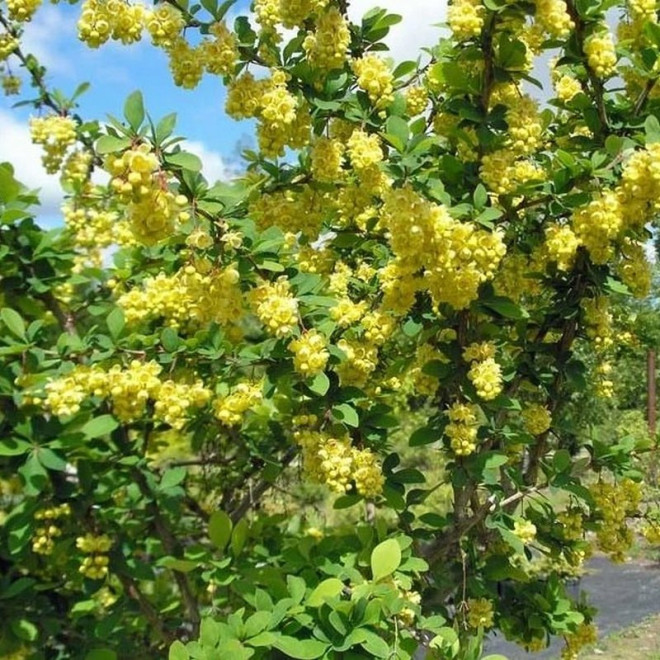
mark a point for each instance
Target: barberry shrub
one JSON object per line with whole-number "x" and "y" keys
{"x": 430, "y": 240}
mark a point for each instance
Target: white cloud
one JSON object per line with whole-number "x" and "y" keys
{"x": 214, "y": 167}
{"x": 17, "y": 148}
{"x": 417, "y": 28}
{"x": 45, "y": 37}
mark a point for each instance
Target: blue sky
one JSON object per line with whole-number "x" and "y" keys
{"x": 115, "y": 70}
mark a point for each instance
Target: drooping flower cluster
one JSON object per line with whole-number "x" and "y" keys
{"x": 465, "y": 18}
{"x": 536, "y": 418}
{"x": 95, "y": 565}
{"x": 462, "y": 428}
{"x": 615, "y": 502}
{"x": 601, "y": 56}
{"x": 375, "y": 78}
{"x": 55, "y": 134}
{"x": 187, "y": 298}
{"x": 276, "y": 307}
{"x": 337, "y": 464}
{"x": 326, "y": 46}
{"x": 230, "y": 408}
{"x": 486, "y": 376}
{"x": 43, "y": 541}
{"x": 480, "y": 613}
{"x": 310, "y": 353}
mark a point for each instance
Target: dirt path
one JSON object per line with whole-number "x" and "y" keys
{"x": 624, "y": 594}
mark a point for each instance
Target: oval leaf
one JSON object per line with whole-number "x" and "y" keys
{"x": 327, "y": 589}
{"x": 385, "y": 559}
{"x": 220, "y": 526}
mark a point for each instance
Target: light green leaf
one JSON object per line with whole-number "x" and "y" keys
{"x": 239, "y": 536}
{"x": 329, "y": 588}
{"x": 12, "y": 319}
{"x": 220, "y": 526}
{"x": 134, "y": 110}
{"x": 320, "y": 384}
{"x": 178, "y": 652}
{"x": 101, "y": 654}
{"x": 99, "y": 426}
{"x": 346, "y": 414}
{"x": 302, "y": 649}
{"x": 116, "y": 322}
{"x": 110, "y": 144}
{"x": 385, "y": 559}
{"x": 173, "y": 477}
{"x": 169, "y": 340}
{"x": 185, "y": 160}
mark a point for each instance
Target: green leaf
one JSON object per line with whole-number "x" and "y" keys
{"x": 116, "y": 322}
{"x": 296, "y": 586}
{"x": 24, "y": 629}
{"x": 34, "y": 475}
{"x": 480, "y": 197}
{"x": 652, "y": 129}
{"x": 320, "y": 384}
{"x": 330, "y": 588}
{"x": 49, "y": 459}
{"x": 506, "y": 308}
{"x": 110, "y": 144}
{"x": 14, "y": 447}
{"x": 100, "y": 426}
{"x": 398, "y": 128}
{"x": 173, "y": 477}
{"x": 101, "y": 654}
{"x": 239, "y": 536}
{"x": 169, "y": 340}
{"x": 185, "y": 161}
{"x": 495, "y": 656}
{"x": 179, "y": 565}
{"x": 12, "y": 319}
{"x": 302, "y": 649}
{"x": 424, "y": 436}
{"x": 178, "y": 651}
{"x": 346, "y": 414}
{"x": 134, "y": 110}
{"x": 220, "y": 527}
{"x": 165, "y": 127}
{"x": 385, "y": 559}
{"x": 375, "y": 645}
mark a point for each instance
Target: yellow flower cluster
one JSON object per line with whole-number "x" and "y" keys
{"x": 55, "y": 134}
{"x": 231, "y": 408}
{"x": 554, "y": 17}
{"x": 186, "y": 63}
{"x": 524, "y": 123}
{"x": 486, "y": 376}
{"x": 174, "y": 400}
{"x": 561, "y": 245}
{"x": 346, "y": 312}
{"x": 326, "y": 46}
{"x": 361, "y": 361}
{"x": 309, "y": 353}
{"x": 133, "y": 171}
{"x": 101, "y": 19}
{"x": 220, "y": 54}
{"x": 601, "y": 56}
{"x": 189, "y": 297}
{"x": 335, "y": 463}
{"x": 10, "y": 84}
{"x": 93, "y": 229}
{"x": 598, "y": 320}
{"x": 8, "y": 45}
{"x": 364, "y": 150}
{"x": 465, "y": 19}
{"x": 326, "y": 158}
{"x": 65, "y": 394}
{"x": 513, "y": 279}
{"x": 43, "y": 542}
{"x": 164, "y": 23}
{"x": 634, "y": 268}
{"x": 462, "y": 428}
{"x": 375, "y": 78}
{"x": 22, "y": 10}
{"x": 604, "y": 386}
{"x": 598, "y": 224}
{"x": 643, "y": 10}
{"x": 276, "y": 307}
{"x": 536, "y": 418}
{"x": 571, "y": 524}
{"x": 76, "y": 168}
{"x": 639, "y": 189}
{"x": 457, "y": 256}
{"x": 503, "y": 171}
{"x": 95, "y": 566}
{"x": 244, "y": 96}
{"x": 585, "y": 635}
{"x": 301, "y": 210}
{"x": 479, "y": 351}
{"x": 525, "y": 530}
{"x": 417, "y": 99}
{"x": 614, "y": 503}
{"x": 480, "y": 613}
{"x": 155, "y": 216}
{"x": 566, "y": 87}
{"x": 378, "y": 327}
{"x": 296, "y": 12}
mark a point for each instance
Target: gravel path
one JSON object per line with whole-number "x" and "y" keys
{"x": 623, "y": 593}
